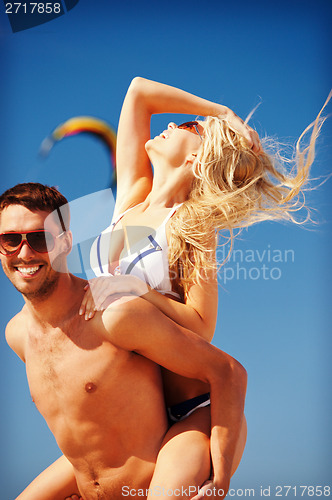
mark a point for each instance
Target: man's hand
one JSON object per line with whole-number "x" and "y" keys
{"x": 210, "y": 489}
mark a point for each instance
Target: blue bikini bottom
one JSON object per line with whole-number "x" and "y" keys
{"x": 183, "y": 410}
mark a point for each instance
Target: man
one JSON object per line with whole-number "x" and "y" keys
{"x": 98, "y": 383}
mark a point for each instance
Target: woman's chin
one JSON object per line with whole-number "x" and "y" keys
{"x": 151, "y": 149}
{"x": 148, "y": 145}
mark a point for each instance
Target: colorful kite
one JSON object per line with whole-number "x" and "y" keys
{"x": 83, "y": 124}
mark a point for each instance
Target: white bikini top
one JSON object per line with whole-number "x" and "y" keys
{"x": 147, "y": 259}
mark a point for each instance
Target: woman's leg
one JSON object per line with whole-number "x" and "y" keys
{"x": 183, "y": 463}
{"x": 57, "y": 482}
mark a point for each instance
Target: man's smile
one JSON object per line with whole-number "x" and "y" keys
{"x": 28, "y": 270}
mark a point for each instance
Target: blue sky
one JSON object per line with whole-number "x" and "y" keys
{"x": 277, "y": 321}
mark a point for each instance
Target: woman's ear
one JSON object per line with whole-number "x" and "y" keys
{"x": 191, "y": 158}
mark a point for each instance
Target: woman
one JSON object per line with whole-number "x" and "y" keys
{"x": 148, "y": 206}
{"x": 208, "y": 175}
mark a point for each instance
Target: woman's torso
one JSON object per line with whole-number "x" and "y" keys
{"x": 136, "y": 243}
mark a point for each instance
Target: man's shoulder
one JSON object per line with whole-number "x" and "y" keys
{"x": 15, "y": 333}
{"x": 118, "y": 321}
{"x": 16, "y": 321}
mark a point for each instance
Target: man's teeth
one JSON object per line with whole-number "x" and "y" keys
{"x": 28, "y": 270}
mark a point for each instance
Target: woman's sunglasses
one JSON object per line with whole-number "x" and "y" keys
{"x": 192, "y": 127}
{"x": 38, "y": 241}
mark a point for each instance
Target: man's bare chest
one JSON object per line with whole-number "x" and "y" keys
{"x": 71, "y": 365}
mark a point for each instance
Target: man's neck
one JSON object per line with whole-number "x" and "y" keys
{"x": 62, "y": 304}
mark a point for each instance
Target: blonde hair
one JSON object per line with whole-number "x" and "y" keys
{"x": 233, "y": 188}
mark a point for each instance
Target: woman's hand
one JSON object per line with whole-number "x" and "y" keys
{"x": 100, "y": 289}
{"x": 243, "y": 129}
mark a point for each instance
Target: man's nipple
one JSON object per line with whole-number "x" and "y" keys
{"x": 90, "y": 387}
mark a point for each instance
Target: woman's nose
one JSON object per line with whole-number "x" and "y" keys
{"x": 171, "y": 125}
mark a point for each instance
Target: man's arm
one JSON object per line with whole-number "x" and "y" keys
{"x": 15, "y": 337}
{"x": 58, "y": 480}
{"x": 136, "y": 325}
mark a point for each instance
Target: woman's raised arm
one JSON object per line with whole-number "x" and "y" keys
{"x": 143, "y": 99}
{"x": 133, "y": 168}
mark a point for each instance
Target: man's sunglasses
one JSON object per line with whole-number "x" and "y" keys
{"x": 38, "y": 241}
{"x": 192, "y": 127}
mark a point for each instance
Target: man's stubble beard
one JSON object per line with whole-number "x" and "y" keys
{"x": 47, "y": 288}
{"x": 44, "y": 292}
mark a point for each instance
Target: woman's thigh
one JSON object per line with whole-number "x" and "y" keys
{"x": 183, "y": 462}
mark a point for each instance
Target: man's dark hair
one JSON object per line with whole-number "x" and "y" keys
{"x": 36, "y": 196}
